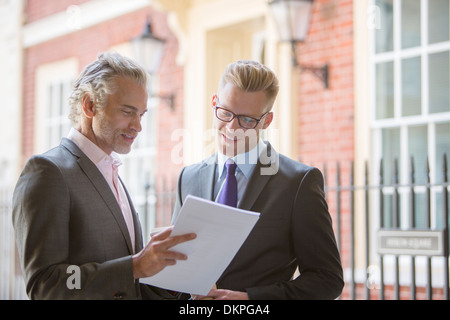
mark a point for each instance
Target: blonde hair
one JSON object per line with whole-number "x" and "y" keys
{"x": 251, "y": 76}
{"x": 97, "y": 80}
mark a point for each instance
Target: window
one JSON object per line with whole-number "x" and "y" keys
{"x": 53, "y": 87}
{"x": 411, "y": 115}
{"x": 57, "y": 124}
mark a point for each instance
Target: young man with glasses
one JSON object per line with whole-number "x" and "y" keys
{"x": 294, "y": 229}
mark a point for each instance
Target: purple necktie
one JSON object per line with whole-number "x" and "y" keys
{"x": 228, "y": 195}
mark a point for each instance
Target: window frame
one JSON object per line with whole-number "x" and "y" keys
{"x": 61, "y": 72}
{"x": 397, "y": 55}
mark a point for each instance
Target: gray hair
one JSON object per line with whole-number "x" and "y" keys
{"x": 97, "y": 80}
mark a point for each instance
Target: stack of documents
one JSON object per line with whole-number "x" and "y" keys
{"x": 221, "y": 230}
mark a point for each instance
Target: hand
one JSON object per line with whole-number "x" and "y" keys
{"x": 156, "y": 255}
{"x": 222, "y": 294}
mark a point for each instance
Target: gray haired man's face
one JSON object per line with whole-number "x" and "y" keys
{"x": 116, "y": 126}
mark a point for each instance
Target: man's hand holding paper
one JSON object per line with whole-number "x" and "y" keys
{"x": 220, "y": 231}
{"x": 157, "y": 254}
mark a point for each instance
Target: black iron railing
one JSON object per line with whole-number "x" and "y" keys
{"x": 397, "y": 231}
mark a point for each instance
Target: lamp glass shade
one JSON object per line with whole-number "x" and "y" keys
{"x": 292, "y": 18}
{"x": 149, "y": 51}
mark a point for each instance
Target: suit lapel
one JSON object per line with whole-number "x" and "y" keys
{"x": 254, "y": 187}
{"x": 102, "y": 187}
{"x": 137, "y": 226}
{"x": 266, "y": 166}
{"x": 260, "y": 177}
{"x": 207, "y": 178}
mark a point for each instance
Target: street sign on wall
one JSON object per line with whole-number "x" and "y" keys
{"x": 411, "y": 242}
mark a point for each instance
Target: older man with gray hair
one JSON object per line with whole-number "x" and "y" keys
{"x": 77, "y": 232}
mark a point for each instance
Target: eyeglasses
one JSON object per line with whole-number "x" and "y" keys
{"x": 244, "y": 121}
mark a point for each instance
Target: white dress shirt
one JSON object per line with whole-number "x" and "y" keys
{"x": 245, "y": 162}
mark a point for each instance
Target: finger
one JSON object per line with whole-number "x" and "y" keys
{"x": 209, "y": 296}
{"x": 217, "y": 294}
{"x": 158, "y": 230}
{"x": 172, "y": 255}
{"x": 170, "y": 262}
{"x": 163, "y": 234}
{"x": 195, "y": 297}
{"x": 173, "y": 241}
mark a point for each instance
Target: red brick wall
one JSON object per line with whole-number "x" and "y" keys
{"x": 171, "y": 81}
{"x": 325, "y": 117}
{"x": 38, "y": 9}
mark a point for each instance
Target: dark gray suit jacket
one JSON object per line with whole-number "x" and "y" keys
{"x": 294, "y": 229}
{"x": 64, "y": 213}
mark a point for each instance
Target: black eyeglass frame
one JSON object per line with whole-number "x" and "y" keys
{"x": 238, "y": 116}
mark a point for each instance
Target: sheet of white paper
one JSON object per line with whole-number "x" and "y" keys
{"x": 221, "y": 231}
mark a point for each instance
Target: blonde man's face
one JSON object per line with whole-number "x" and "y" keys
{"x": 231, "y": 138}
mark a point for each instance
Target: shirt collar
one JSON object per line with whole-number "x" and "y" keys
{"x": 91, "y": 150}
{"x": 245, "y": 161}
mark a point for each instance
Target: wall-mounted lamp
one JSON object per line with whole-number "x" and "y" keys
{"x": 292, "y": 18}
{"x": 149, "y": 50}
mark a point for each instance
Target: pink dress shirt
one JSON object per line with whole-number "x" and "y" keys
{"x": 105, "y": 163}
